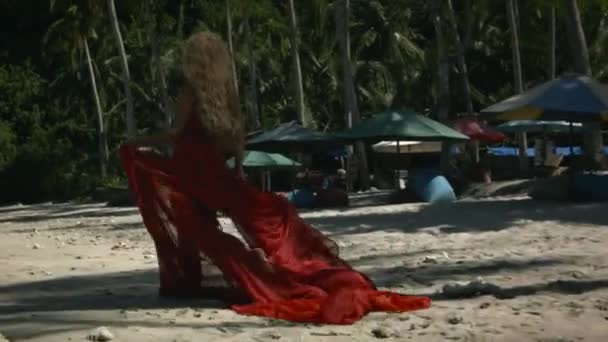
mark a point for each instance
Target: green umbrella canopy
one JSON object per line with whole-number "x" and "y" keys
{"x": 401, "y": 125}
{"x": 291, "y": 137}
{"x": 532, "y": 126}
{"x": 263, "y": 160}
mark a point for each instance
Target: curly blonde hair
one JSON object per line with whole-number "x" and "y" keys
{"x": 208, "y": 72}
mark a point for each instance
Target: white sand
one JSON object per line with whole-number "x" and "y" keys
{"x": 68, "y": 269}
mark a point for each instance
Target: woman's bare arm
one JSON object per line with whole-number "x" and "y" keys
{"x": 185, "y": 101}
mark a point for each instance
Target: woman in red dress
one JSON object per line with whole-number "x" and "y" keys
{"x": 285, "y": 268}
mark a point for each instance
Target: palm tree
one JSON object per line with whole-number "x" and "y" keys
{"x": 180, "y": 20}
{"x": 462, "y": 67}
{"x": 443, "y": 86}
{"x": 72, "y": 33}
{"x": 460, "y": 56}
{"x": 518, "y": 83}
{"x": 157, "y": 67}
{"x": 101, "y": 130}
{"x": 513, "y": 27}
{"x": 576, "y": 36}
{"x": 553, "y": 42}
{"x": 231, "y": 44}
{"x": 580, "y": 51}
{"x": 342, "y": 18}
{"x": 297, "y": 68}
{"x": 253, "y": 103}
{"x": 126, "y": 76}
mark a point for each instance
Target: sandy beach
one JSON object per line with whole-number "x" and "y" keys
{"x": 68, "y": 269}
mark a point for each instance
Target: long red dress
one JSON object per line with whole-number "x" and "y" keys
{"x": 301, "y": 279}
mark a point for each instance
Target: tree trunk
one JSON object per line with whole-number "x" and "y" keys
{"x": 102, "y": 141}
{"x": 180, "y": 20}
{"x": 468, "y": 24}
{"x": 518, "y": 83}
{"x": 126, "y": 77}
{"x": 157, "y": 65}
{"x": 593, "y": 138}
{"x": 576, "y": 36}
{"x": 342, "y": 18}
{"x": 443, "y": 89}
{"x": 252, "y": 105}
{"x": 231, "y": 46}
{"x": 462, "y": 67}
{"x": 160, "y": 69}
{"x": 295, "y": 55}
{"x": 516, "y": 11}
{"x": 460, "y": 58}
{"x": 553, "y": 42}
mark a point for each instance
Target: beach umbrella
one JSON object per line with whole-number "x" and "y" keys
{"x": 412, "y": 147}
{"x": 266, "y": 161}
{"x": 401, "y": 125}
{"x": 291, "y": 137}
{"x": 568, "y": 98}
{"x": 407, "y": 147}
{"x": 572, "y": 98}
{"x": 532, "y": 126}
{"x": 477, "y": 130}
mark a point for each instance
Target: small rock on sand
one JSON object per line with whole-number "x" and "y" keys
{"x": 470, "y": 289}
{"x": 454, "y": 319}
{"x": 430, "y": 259}
{"x": 100, "y": 334}
{"x": 272, "y": 335}
{"x": 484, "y": 305}
{"x": 384, "y": 332}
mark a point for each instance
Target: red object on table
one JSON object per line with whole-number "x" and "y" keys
{"x": 477, "y": 130}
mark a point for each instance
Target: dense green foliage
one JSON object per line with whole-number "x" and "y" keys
{"x": 48, "y": 141}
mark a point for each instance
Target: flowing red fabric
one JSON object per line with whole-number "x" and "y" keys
{"x": 298, "y": 277}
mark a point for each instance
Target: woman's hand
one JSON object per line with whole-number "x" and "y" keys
{"x": 148, "y": 140}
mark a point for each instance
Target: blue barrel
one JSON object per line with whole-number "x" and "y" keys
{"x": 302, "y": 198}
{"x": 431, "y": 186}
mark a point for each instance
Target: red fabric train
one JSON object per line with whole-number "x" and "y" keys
{"x": 298, "y": 277}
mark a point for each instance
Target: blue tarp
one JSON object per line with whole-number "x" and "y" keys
{"x": 514, "y": 151}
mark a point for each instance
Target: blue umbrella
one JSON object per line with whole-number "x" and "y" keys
{"x": 570, "y": 98}
{"x": 573, "y": 98}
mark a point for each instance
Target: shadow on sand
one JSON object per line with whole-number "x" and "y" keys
{"x": 45, "y": 212}
{"x": 462, "y": 217}
{"x": 40, "y": 308}
{"x": 138, "y": 289}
